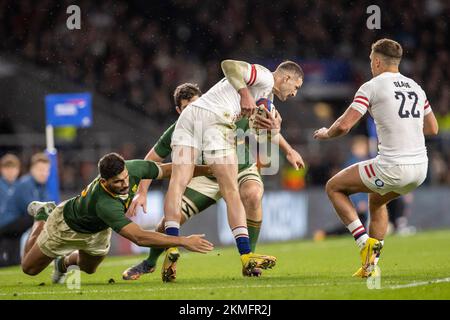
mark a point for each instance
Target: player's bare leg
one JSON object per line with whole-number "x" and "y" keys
{"x": 225, "y": 171}
{"x": 34, "y": 261}
{"x": 86, "y": 262}
{"x": 339, "y": 188}
{"x": 379, "y": 220}
{"x": 183, "y": 164}
{"x": 251, "y": 193}
{"x": 36, "y": 230}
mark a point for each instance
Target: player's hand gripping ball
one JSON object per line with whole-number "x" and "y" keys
{"x": 262, "y": 104}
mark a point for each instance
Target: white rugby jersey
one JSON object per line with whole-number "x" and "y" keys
{"x": 398, "y": 105}
{"x": 224, "y": 100}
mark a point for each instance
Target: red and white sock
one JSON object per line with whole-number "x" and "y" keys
{"x": 358, "y": 232}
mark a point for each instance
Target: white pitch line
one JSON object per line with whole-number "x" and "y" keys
{"x": 267, "y": 286}
{"x": 161, "y": 289}
{"x": 419, "y": 284}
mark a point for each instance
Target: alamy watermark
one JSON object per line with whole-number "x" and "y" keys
{"x": 74, "y": 20}
{"x": 374, "y": 20}
{"x": 374, "y": 281}
{"x": 72, "y": 278}
{"x": 223, "y": 145}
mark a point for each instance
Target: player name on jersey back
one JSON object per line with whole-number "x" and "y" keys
{"x": 398, "y": 105}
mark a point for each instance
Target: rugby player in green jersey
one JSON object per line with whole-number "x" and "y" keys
{"x": 78, "y": 231}
{"x": 202, "y": 192}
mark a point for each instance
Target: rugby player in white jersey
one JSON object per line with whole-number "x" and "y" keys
{"x": 403, "y": 116}
{"x": 206, "y": 128}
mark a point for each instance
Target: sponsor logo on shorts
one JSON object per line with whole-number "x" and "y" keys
{"x": 379, "y": 183}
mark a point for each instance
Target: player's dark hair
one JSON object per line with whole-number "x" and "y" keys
{"x": 291, "y": 67}
{"x": 391, "y": 50}
{"x": 186, "y": 91}
{"x": 110, "y": 165}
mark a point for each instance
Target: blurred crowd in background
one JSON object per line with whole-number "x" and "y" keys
{"x": 135, "y": 53}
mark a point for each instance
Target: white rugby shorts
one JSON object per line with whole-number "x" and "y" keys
{"x": 398, "y": 178}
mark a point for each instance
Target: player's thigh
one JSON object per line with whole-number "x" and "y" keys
{"x": 35, "y": 261}
{"x": 183, "y": 168}
{"x": 87, "y": 262}
{"x": 184, "y": 155}
{"x": 347, "y": 181}
{"x": 187, "y": 134}
{"x": 226, "y": 175}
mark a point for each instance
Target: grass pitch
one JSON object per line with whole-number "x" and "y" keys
{"x": 415, "y": 267}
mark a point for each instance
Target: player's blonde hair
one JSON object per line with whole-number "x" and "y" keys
{"x": 391, "y": 51}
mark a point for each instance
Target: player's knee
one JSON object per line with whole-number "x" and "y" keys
{"x": 331, "y": 187}
{"x": 88, "y": 269}
{"x": 251, "y": 197}
{"x": 230, "y": 194}
{"x": 30, "y": 270}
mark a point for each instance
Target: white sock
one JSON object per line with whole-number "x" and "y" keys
{"x": 358, "y": 232}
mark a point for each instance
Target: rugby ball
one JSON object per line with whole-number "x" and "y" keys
{"x": 260, "y": 105}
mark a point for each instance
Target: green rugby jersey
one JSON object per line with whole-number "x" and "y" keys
{"x": 97, "y": 209}
{"x": 163, "y": 148}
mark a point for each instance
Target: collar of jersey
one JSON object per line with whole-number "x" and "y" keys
{"x": 123, "y": 197}
{"x": 388, "y": 73}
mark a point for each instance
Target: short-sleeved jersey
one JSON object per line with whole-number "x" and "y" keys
{"x": 224, "y": 100}
{"x": 163, "y": 148}
{"x": 398, "y": 105}
{"x": 97, "y": 209}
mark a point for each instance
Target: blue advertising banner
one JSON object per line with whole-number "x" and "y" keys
{"x": 69, "y": 109}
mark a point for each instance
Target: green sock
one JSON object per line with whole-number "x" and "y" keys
{"x": 154, "y": 255}
{"x": 253, "y": 232}
{"x": 42, "y": 215}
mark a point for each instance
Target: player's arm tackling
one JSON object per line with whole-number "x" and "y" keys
{"x": 144, "y": 238}
{"x": 199, "y": 170}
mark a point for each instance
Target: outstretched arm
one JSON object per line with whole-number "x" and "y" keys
{"x": 144, "y": 238}
{"x": 341, "y": 126}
